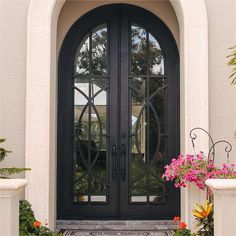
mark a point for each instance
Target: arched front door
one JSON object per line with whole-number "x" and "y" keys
{"x": 118, "y": 120}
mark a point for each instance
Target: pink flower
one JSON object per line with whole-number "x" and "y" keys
{"x": 195, "y": 169}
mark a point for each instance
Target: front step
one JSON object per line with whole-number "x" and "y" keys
{"x": 115, "y": 233}
{"x": 115, "y": 225}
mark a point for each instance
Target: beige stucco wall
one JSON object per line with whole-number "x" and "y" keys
{"x": 222, "y": 35}
{"x": 13, "y": 30}
{"x": 73, "y": 10}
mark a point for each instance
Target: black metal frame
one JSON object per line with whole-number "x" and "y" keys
{"x": 118, "y": 205}
{"x": 211, "y": 152}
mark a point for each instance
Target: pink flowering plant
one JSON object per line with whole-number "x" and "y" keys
{"x": 226, "y": 172}
{"x": 196, "y": 169}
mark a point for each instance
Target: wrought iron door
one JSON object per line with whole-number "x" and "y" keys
{"x": 118, "y": 116}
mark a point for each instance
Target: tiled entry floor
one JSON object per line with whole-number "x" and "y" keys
{"x": 116, "y": 228}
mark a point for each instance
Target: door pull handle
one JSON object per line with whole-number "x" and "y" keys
{"x": 123, "y": 164}
{"x": 114, "y": 162}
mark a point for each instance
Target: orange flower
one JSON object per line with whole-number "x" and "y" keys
{"x": 37, "y": 224}
{"x": 182, "y": 225}
{"x": 176, "y": 218}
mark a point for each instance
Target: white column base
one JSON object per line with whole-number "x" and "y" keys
{"x": 224, "y": 206}
{"x": 189, "y": 197}
{"x": 9, "y": 205}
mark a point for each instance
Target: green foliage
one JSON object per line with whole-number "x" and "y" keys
{"x": 183, "y": 232}
{"x": 27, "y": 220}
{"x": 12, "y": 170}
{"x": 141, "y": 181}
{"x": 232, "y": 62}
{"x": 4, "y": 172}
{"x": 204, "y": 219}
{"x": 3, "y": 152}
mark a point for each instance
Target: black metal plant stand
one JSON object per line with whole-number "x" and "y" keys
{"x": 211, "y": 152}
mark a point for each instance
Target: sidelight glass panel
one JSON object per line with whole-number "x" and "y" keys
{"x": 90, "y": 140}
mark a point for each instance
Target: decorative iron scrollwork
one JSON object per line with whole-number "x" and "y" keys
{"x": 211, "y": 152}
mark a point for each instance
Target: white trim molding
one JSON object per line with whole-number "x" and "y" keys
{"x": 41, "y": 95}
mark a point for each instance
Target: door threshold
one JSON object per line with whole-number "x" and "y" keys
{"x": 116, "y": 224}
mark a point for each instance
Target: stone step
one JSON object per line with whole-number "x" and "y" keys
{"x": 119, "y": 225}
{"x": 115, "y": 233}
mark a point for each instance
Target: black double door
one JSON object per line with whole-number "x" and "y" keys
{"x": 118, "y": 122}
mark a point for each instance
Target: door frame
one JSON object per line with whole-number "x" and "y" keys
{"x": 66, "y": 209}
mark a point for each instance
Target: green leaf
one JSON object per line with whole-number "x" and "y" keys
{"x": 12, "y": 170}
{"x": 232, "y": 62}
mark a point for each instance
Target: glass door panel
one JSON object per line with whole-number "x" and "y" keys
{"x": 147, "y": 105}
{"x": 90, "y": 177}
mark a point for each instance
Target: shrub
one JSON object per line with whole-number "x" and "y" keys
{"x": 29, "y": 226}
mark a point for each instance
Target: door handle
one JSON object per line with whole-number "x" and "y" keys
{"x": 114, "y": 162}
{"x": 123, "y": 166}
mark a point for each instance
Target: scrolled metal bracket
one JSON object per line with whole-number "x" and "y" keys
{"x": 211, "y": 152}
{"x": 228, "y": 149}
{"x": 193, "y": 137}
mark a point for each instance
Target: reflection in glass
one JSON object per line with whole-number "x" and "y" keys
{"x": 146, "y": 54}
{"x": 158, "y": 91}
{"x": 156, "y": 59}
{"x": 148, "y": 150}
{"x": 82, "y": 57}
{"x": 90, "y": 131}
{"x": 98, "y": 198}
{"x": 138, "y": 50}
{"x": 157, "y": 199}
{"x": 91, "y": 56}
{"x": 138, "y": 198}
{"x": 99, "y": 50}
